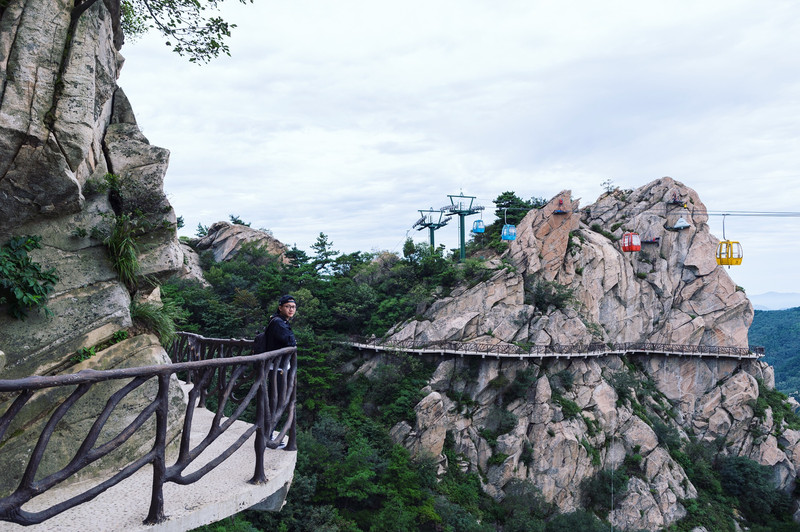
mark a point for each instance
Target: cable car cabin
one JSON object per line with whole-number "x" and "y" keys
{"x": 478, "y": 226}
{"x": 729, "y": 253}
{"x": 631, "y": 242}
{"x": 509, "y": 232}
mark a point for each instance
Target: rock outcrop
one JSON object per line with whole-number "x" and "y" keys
{"x": 672, "y": 291}
{"x": 74, "y": 167}
{"x": 225, "y": 240}
{"x": 557, "y": 423}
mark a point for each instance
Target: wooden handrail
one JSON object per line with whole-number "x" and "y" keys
{"x": 221, "y": 367}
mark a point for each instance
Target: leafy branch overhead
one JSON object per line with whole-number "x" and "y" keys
{"x": 187, "y": 25}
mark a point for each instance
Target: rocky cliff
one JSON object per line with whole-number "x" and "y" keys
{"x": 558, "y": 423}
{"x": 672, "y": 291}
{"x": 75, "y": 170}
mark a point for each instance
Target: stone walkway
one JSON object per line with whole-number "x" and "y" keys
{"x": 222, "y": 492}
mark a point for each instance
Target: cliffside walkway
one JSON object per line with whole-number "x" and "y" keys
{"x": 513, "y": 351}
{"x": 209, "y": 465}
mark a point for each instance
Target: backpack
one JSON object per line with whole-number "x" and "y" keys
{"x": 260, "y": 342}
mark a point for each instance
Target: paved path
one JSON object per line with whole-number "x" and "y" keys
{"x": 221, "y": 493}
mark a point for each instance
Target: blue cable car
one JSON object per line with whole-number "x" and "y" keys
{"x": 509, "y": 232}
{"x": 478, "y": 226}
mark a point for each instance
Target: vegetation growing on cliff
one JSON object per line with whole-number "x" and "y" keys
{"x": 24, "y": 284}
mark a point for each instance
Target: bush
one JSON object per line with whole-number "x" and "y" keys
{"x": 23, "y": 283}
{"x": 569, "y": 408}
{"x": 578, "y": 520}
{"x": 160, "y": 320}
{"x": 542, "y": 293}
{"x": 751, "y": 484}
{"x": 603, "y": 488}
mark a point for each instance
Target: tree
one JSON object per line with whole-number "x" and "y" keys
{"x": 324, "y": 254}
{"x": 511, "y": 208}
{"x": 184, "y": 23}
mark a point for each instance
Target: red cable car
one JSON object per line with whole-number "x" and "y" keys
{"x": 631, "y": 242}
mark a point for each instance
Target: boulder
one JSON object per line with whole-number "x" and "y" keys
{"x": 225, "y": 240}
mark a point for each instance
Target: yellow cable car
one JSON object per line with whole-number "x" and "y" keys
{"x": 729, "y": 253}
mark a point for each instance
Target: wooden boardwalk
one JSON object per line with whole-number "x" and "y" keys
{"x": 513, "y": 351}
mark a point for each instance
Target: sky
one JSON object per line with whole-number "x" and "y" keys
{"x": 347, "y": 117}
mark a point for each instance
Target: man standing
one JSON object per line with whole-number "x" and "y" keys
{"x": 279, "y": 332}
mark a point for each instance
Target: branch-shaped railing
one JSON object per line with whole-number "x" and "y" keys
{"x": 222, "y": 378}
{"x": 554, "y": 350}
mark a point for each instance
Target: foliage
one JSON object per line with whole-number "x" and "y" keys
{"x": 569, "y": 408}
{"x": 781, "y": 410}
{"x": 523, "y": 381}
{"x": 84, "y": 353}
{"x": 24, "y": 285}
{"x": 158, "y": 319}
{"x": 597, "y": 228}
{"x": 512, "y": 209}
{"x": 778, "y": 331}
{"x": 605, "y": 489}
{"x": 184, "y": 24}
{"x": 750, "y": 483}
{"x": 123, "y": 250}
{"x": 574, "y": 521}
{"x": 562, "y": 380}
{"x": 543, "y": 293}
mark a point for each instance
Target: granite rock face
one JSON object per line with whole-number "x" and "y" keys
{"x": 573, "y": 418}
{"x": 225, "y": 240}
{"x": 565, "y": 420}
{"x": 65, "y": 126}
{"x": 672, "y": 291}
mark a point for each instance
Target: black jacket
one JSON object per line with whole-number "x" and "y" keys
{"x": 279, "y": 333}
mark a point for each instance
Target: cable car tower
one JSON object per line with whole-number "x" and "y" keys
{"x": 430, "y": 220}
{"x": 462, "y": 206}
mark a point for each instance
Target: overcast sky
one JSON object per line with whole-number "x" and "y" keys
{"x": 347, "y": 117}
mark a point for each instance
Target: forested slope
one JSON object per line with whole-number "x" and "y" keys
{"x": 779, "y": 332}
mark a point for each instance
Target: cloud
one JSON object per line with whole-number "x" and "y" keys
{"x": 347, "y": 117}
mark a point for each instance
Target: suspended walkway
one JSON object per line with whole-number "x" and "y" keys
{"x": 540, "y": 352}
{"x": 220, "y": 466}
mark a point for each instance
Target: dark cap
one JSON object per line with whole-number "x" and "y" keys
{"x": 286, "y": 299}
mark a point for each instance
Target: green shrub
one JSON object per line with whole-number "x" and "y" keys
{"x": 542, "y": 293}
{"x": 84, "y": 353}
{"x": 496, "y": 459}
{"x": 569, "y": 408}
{"x": 24, "y": 285}
{"x": 160, "y": 320}
{"x": 122, "y": 249}
{"x": 523, "y": 381}
{"x": 603, "y": 488}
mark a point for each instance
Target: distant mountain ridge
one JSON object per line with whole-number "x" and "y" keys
{"x": 775, "y": 300}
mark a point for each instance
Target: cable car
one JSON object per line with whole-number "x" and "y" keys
{"x": 631, "y": 242}
{"x": 509, "y": 232}
{"x": 729, "y": 253}
{"x": 478, "y": 226}
{"x": 681, "y": 224}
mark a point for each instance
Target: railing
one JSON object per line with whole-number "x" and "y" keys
{"x": 218, "y": 374}
{"x": 554, "y": 350}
